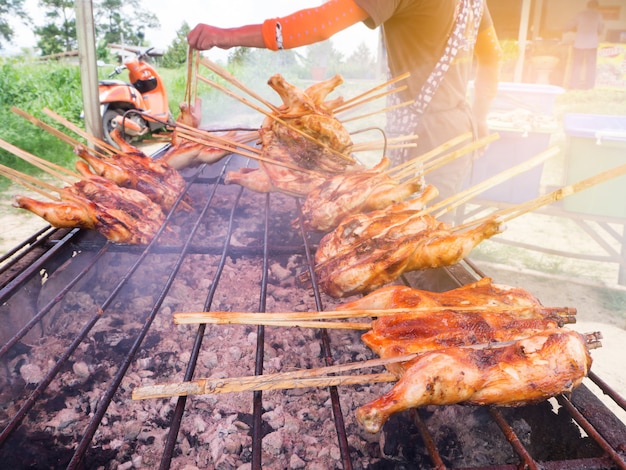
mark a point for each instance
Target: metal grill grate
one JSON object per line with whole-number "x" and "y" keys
{"x": 231, "y": 233}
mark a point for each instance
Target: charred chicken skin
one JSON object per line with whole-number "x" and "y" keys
{"x": 122, "y": 215}
{"x": 477, "y": 313}
{"x": 356, "y": 192}
{"x": 356, "y": 228}
{"x": 419, "y": 244}
{"x": 526, "y": 371}
{"x": 135, "y": 170}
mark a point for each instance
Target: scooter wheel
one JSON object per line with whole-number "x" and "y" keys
{"x": 107, "y": 123}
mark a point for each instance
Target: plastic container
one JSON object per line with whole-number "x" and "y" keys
{"x": 512, "y": 148}
{"x": 596, "y": 143}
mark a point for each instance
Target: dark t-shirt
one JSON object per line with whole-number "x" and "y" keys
{"x": 415, "y": 34}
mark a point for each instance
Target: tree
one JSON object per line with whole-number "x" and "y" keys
{"x": 360, "y": 64}
{"x": 123, "y": 22}
{"x": 58, "y": 34}
{"x": 9, "y": 8}
{"x": 176, "y": 53}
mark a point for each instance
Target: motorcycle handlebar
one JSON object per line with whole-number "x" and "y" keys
{"x": 119, "y": 69}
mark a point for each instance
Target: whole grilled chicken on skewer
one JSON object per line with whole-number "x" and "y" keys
{"x": 122, "y": 215}
{"x": 269, "y": 177}
{"x": 120, "y": 170}
{"x": 353, "y": 230}
{"x": 525, "y": 371}
{"x": 358, "y": 191}
{"x": 381, "y": 259}
{"x": 281, "y": 141}
{"x": 502, "y": 313}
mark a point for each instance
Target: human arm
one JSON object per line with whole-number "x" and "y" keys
{"x": 298, "y": 29}
{"x": 488, "y": 58}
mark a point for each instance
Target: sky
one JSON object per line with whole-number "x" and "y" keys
{"x": 172, "y": 14}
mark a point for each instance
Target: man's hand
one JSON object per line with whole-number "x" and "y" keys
{"x": 204, "y": 37}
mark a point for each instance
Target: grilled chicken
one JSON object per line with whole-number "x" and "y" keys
{"x": 190, "y": 115}
{"x": 403, "y": 218}
{"x": 269, "y": 177}
{"x": 420, "y": 244}
{"x": 122, "y": 215}
{"x": 402, "y": 334}
{"x": 282, "y": 141}
{"x": 160, "y": 182}
{"x": 526, "y": 371}
{"x": 356, "y": 192}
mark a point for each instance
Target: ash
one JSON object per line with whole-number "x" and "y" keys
{"x": 215, "y": 433}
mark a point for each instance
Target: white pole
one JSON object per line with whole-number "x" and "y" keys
{"x": 85, "y": 33}
{"x": 522, "y": 39}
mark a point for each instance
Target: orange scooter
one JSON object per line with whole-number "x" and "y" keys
{"x": 136, "y": 108}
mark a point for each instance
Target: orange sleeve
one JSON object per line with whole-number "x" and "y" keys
{"x": 487, "y": 46}
{"x": 489, "y": 56}
{"x": 311, "y": 25}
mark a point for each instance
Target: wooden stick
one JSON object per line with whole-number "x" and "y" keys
{"x": 52, "y": 130}
{"x": 383, "y": 110}
{"x": 254, "y": 156}
{"x": 382, "y": 142}
{"x": 556, "y": 195}
{"x": 376, "y": 88}
{"x": 343, "y": 108}
{"x": 25, "y": 180}
{"x": 284, "y": 323}
{"x": 431, "y": 153}
{"x": 231, "y": 385}
{"x": 77, "y": 130}
{"x": 225, "y": 317}
{"x": 347, "y": 158}
{"x": 278, "y": 380}
{"x": 456, "y": 200}
{"x": 188, "y": 130}
{"x": 226, "y": 75}
{"x": 426, "y": 167}
{"x": 40, "y": 163}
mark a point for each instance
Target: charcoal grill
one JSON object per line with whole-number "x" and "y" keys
{"x": 86, "y": 321}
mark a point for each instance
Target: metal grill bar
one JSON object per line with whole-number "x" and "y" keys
{"x": 257, "y": 399}
{"x": 326, "y": 351}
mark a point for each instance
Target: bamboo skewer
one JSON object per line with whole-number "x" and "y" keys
{"x": 382, "y": 142}
{"x": 253, "y": 155}
{"x": 431, "y": 153}
{"x": 382, "y": 110}
{"x": 344, "y": 157}
{"x": 224, "y": 317}
{"x": 513, "y": 212}
{"x": 27, "y": 181}
{"x": 343, "y": 108}
{"x": 456, "y": 200}
{"x": 423, "y": 168}
{"x": 49, "y": 167}
{"x": 242, "y": 384}
{"x": 318, "y": 377}
{"x": 225, "y": 74}
{"x": 376, "y": 88}
{"x": 275, "y": 381}
{"x": 77, "y": 130}
{"x": 189, "y": 130}
{"x": 52, "y": 130}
